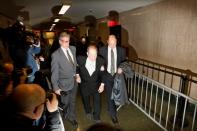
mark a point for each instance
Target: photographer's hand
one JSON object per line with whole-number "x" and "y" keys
{"x": 52, "y": 105}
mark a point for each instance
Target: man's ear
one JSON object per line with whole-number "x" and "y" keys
{"x": 87, "y": 53}
{"x": 35, "y": 109}
{"x": 37, "y": 112}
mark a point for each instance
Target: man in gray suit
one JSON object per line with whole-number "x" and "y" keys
{"x": 63, "y": 78}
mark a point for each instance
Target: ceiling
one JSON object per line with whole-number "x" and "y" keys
{"x": 38, "y": 12}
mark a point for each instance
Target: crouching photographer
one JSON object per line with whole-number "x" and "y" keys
{"x": 27, "y": 104}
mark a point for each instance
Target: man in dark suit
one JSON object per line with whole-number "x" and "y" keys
{"x": 63, "y": 78}
{"x": 91, "y": 69}
{"x": 113, "y": 56}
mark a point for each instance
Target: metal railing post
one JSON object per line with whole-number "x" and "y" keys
{"x": 181, "y": 103}
{"x": 183, "y": 89}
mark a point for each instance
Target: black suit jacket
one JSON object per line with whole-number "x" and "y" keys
{"x": 121, "y": 54}
{"x": 90, "y": 84}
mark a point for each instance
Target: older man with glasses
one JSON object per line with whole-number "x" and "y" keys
{"x": 63, "y": 78}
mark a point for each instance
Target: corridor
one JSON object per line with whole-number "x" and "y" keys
{"x": 130, "y": 118}
{"x": 47, "y": 44}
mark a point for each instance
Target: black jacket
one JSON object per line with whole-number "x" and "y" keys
{"x": 90, "y": 84}
{"x": 121, "y": 57}
{"x": 11, "y": 121}
{"x": 119, "y": 90}
{"x": 121, "y": 54}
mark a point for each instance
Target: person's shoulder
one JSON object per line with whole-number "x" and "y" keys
{"x": 72, "y": 47}
{"x": 56, "y": 52}
{"x": 101, "y": 49}
{"x": 120, "y": 48}
{"x": 100, "y": 59}
{"x": 81, "y": 59}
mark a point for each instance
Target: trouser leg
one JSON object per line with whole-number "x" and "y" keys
{"x": 86, "y": 103}
{"x": 96, "y": 106}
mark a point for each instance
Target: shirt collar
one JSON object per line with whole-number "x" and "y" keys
{"x": 89, "y": 61}
{"x": 111, "y": 48}
{"x": 65, "y": 49}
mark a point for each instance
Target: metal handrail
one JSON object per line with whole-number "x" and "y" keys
{"x": 142, "y": 94}
{"x": 170, "y": 67}
{"x": 166, "y": 77}
{"x": 187, "y": 77}
{"x": 155, "y": 68}
{"x": 186, "y": 72}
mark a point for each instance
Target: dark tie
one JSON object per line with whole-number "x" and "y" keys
{"x": 112, "y": 62}
{"x": 69, "y": 57}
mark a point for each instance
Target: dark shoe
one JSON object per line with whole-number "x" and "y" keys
{"x": 97, "y": 121}
{"x": 115, "y": 120}
{"x": 74, "y": 123}
{"x": 89, "y": 116}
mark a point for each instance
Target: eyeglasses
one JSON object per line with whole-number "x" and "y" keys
{"x": 63, "y": 41}
{"x": 43, "y": 103}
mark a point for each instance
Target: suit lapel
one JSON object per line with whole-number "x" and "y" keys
{"x": 96, "y": 66}
{"x": 118, "y": 55}
{"x": 106, "y": 54}
{"x": 63, "y": 55}
{"x": 72, "y": 51}
{"x": 85, "y": 69}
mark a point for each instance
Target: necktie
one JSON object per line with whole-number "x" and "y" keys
{"x": 69, "y": 57}
{"x": 112, "y": 62}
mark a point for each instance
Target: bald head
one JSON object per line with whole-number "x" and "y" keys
{"x": 27, "y": 97}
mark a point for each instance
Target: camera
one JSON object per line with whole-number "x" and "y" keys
{"x": 49, "y": 95}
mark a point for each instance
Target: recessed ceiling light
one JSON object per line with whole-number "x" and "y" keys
{"x": 51, "y": 29}
{"x": 64, "y": 9}
{"x": 56, "y": 20}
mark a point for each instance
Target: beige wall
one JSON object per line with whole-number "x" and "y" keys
{"x": 165, "y": 32}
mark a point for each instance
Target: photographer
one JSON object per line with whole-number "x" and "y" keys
{"x": 33, "y": 48}
{"x": 14, "y": 41}
{"x": 26, "y": 104}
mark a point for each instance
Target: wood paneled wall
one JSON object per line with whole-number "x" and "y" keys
{"x": 165, "y": 32}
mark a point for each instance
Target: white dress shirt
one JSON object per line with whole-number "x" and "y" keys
{"x": 109, "y": 59}
{"x": 90, "y": 66}
{"x": 69, "y": 51}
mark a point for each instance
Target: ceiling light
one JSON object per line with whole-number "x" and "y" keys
{"x": 52, "y": 26}
{"x": 21, "y": 23}
{"x": 64, "y": 9}
{"x": 56, "y": 20}
{"x": 51, "y": 29}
